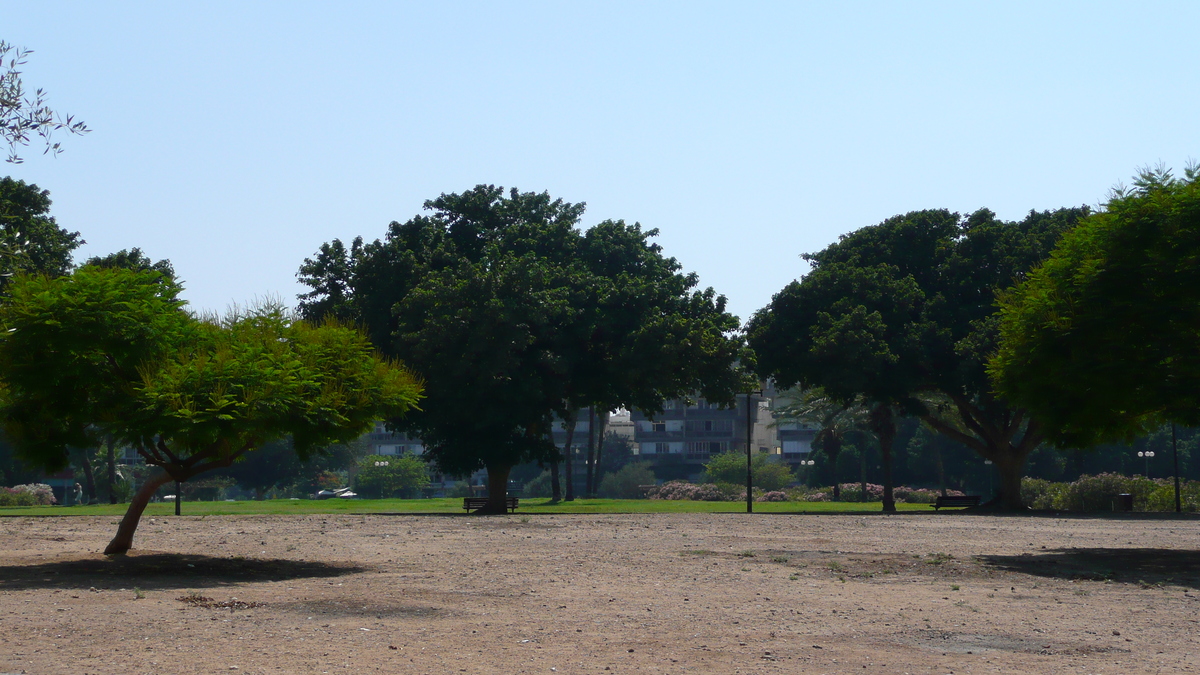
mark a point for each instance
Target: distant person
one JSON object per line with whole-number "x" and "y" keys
{"x": 78, "y": 494}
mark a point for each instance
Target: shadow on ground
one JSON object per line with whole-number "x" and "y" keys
{"x": 161, "y": 571}
{"x": 1146, "y": 566}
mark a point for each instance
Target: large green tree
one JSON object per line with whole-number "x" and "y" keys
{"x": 905, "y": 310}
{"x": 512, "y": 315}
{"x": 1100, "y": 342}
{"x": 30, "y": 240}
{"x": 111, "y": 352}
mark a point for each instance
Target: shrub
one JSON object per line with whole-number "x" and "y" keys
{"x": 32, "y": 494}
{"x": 626, "y": 483}
{"x": 817, "y": 497}
{"x": 460, "y": 489}
{"x": 681, "y": 489}
{"x": 730, "y": 467}
{"x": 773, "y": 496}
{"x": 852, "y": 492}
{"x": 540, "y": 486}
{"x": 1097, "y": 493}
{"x": 382, "y": 477}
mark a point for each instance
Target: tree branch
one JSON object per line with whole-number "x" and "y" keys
{"x": 949, "y": 431}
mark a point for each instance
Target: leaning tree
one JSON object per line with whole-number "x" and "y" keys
{"x": 112, "y": 353}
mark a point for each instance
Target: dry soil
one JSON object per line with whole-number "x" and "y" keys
{"x": 603, "y": 594}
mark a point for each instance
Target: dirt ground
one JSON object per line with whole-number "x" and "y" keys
{"x": 670, "y": 593}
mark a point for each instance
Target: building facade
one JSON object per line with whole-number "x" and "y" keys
{"x": 680, "y": 440}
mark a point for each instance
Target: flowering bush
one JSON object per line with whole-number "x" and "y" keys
{"x": 921, "y": 495}
{"x": 773, "y": 496}
{"x": 681, "y": 489}
{"x": 1099, "y": 493}
{"x": 33, "y": 494}
{"x": 816, "y": 497}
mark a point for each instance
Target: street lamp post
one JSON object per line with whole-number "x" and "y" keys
{"x": 991, "y": 486}
{"x": 749, "y": 450}
{"x": 382, "y": 463}
{"x": 1175, "y": 454}
{"x": 1147, "y": 455}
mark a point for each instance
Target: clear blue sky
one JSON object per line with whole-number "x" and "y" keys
{"x": 235, "y": 137}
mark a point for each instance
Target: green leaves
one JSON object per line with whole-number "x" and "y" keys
{"x": 1100, "y": 341}
{"x": 513, "y": 314}
{"x": 111, "y": 351}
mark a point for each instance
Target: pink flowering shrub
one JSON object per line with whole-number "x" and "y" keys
{"x": 816, "y": 497}
{"x": 852, "y": 492}
{"x": 772, "y": 496}
{"x": 33, "y": 494}
{"x": 681, "y": 489}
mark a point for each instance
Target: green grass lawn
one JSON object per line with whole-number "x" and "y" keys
{"x": 529, "y": 506}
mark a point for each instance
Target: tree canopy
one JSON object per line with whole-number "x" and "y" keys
{"x": 895, "y": 312}
{"x": 1100, "y": 341}
{"x": 512, "y": 314}
{"x": 30, "y": 239}
{"x": 111, "y": 352}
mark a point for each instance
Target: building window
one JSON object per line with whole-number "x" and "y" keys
{"x": 658, "y": 427}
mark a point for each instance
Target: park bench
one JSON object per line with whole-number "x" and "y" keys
{"x": 476, "y": 503}
{"x": 962, "y": 501}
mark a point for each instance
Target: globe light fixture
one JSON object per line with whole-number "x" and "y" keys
{"x": 1146, "y": 456}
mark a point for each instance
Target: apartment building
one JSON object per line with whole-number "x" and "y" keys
{"x": 681, "y": 439}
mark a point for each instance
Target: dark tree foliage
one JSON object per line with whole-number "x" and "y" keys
{"x": 512, "y": 315}
{"x": 902, "y": 314}
{"x": 30, "y": 240}
{"x": 134, "y": 259}
{"x": 1100, "y": 343}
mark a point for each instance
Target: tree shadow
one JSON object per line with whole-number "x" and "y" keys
{"x": 1145, "y": 566}
{"x": 161, "y": 571}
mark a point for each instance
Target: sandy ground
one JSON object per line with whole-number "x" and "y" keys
{"x": 711, "y": 593}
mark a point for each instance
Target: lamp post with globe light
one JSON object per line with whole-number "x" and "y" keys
{"x": 1147, "y": 455}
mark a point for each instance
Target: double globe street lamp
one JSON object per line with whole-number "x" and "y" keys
{"x": 1147, "y": 455}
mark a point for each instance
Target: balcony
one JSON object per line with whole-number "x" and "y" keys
{"x": 651, "y": 436}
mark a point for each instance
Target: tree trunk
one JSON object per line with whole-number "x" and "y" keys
{"x": 591, "y": 450}
{"x": 123, "y": 541}
{"x": 89, "y": 475}
{"x": 994, "y": 440}
{"x": 112, "y": 470}
{"x": 601, "y": 425}
{"x": 862, "y": 473}
{"x": 569, "y": 463}
{"x": 883, "y": 423}
{"x": 555, "y": 488}
{"x": 1009, "y": 470}
{"x": 941, "y": 468}
{"x": 259, "y": 494}
{"x": 833, "y": 447}
{"x": 497, "y": 503}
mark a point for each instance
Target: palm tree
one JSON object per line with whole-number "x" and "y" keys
{"x": 833, "y": 420}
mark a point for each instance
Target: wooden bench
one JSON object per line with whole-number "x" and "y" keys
{"x": 476, "y": 503}
{"x": 964, "y": 501}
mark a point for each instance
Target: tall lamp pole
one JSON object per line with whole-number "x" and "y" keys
{"x": 749, "y": 449}
{"x": 1175, "y": 453}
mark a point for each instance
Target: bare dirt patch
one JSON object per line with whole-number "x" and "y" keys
{"x": 664, "y": 593}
